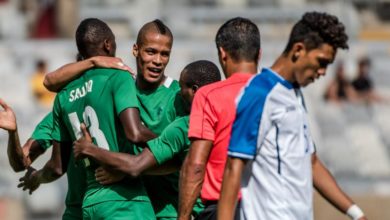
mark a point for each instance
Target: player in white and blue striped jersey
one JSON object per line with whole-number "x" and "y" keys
{"x": 271, "y": 153}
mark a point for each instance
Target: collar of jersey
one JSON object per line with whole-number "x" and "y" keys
{"x": 277, "y": 77}
{"x": 239, "y": 76}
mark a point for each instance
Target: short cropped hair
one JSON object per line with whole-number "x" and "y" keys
{"x": 156, "y": 25}
{"x": 240, "y": 38}
{"x": 90, "y": 34}
{"x": 316, "y": 28}
{"x": 201, "y": 72}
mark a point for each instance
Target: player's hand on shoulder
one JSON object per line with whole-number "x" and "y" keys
{"x": 7, "y": 117}
{"x": 111, "y": 62}
{"x": 30, "y": 181}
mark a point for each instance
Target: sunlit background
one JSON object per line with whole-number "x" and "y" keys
{"x": 352, "y": 139}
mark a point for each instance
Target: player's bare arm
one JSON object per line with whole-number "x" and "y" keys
{"x": 230, "y": 188}
{"x": 116, "y": 163}
{"x": 52, "y": 170}
{"x": 19, "y": 158}
{"x": 107, "y": 176}
{"x": 22, "y": 158}
{"x": 135, "y": 131}
{"x": 57, "y": 79}
{"x": 14, "y": 150}
{"x": 192, "y": 176}
{"x": 327, "y": 186}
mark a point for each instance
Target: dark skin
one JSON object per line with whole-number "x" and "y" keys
{"x": 194, "y": 166}
{"x": 135, "y": 132}
{"x": 52, "y": 170}
{"x": 120, "y": 164}
{"x": 20, "y": 158}
{"x": 303, "y": 67}
{"x": 149, "y": 56}
{"x": 59, "y": 78}
{"x": 117, "y": 165}
{"x": 152, "y": 55}
{"x": 192, "y": 175}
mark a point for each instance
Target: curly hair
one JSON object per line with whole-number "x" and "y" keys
{"x": 316, "y": 28}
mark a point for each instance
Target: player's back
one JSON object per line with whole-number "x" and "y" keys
{"x": 212, "y": 116}
{"x": 97, "y": 98}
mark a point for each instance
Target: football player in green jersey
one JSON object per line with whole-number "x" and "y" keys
{"x": 160, "y": 105}
{"x": 156, "y": 92}
{"x": 106, "y": 100}
{"x": 172, "y": 145}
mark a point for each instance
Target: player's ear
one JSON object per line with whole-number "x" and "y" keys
{"x": 194, "y": 88}
{"x": 135, "y": 50}
{"x": 222, "y": 54}
{"x": 107, "y": 46}
{"x": 297, "y": 51}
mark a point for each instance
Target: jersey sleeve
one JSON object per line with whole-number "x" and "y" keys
{"x": 203, "y": 118}
{"x": 124, "y": 91}
{"x": 172, "y": 142}
{"x": 42, "y": 132}
{"x": 251, "y": 123}
{"x": 59, "y": 132}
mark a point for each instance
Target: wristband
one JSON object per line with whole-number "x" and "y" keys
{"x": 355, "y": 212}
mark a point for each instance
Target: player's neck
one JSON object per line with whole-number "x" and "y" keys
{"x": 283, "y": 67}
{"x": 142, "y": 84}
{"x": 240, "y": 67}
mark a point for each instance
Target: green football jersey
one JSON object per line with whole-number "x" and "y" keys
{"x": 173, "y": 143}
{"x": 42, "y": 132}
{"x": 159, "y": 107}
{"x": 77, "y": 185}
{"x": 97, "y": 98}
{"x": 76, "y": 175}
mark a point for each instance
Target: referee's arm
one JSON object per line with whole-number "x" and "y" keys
{"x": 192, "y": 176}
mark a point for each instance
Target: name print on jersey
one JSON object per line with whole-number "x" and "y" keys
{"x": 80, "y": 92}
